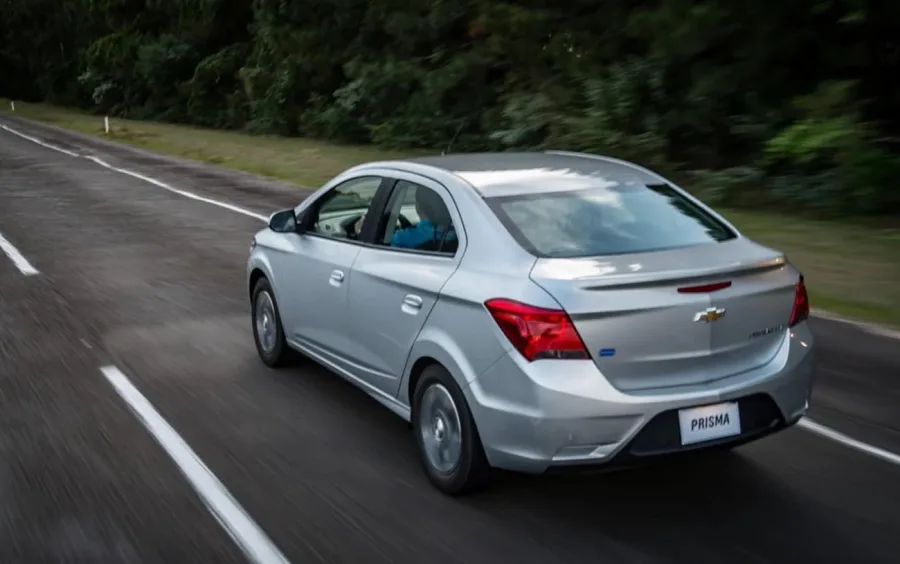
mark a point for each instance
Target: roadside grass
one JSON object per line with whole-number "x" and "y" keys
{"x": 301, "y": 161}
{"x": 851, "y": 270}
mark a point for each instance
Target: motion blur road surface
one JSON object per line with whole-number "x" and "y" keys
{"x": 152, "y": 282}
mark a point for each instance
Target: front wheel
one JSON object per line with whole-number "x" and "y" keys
{"x": 268, "y": 333}
{"x": 446, "y": 435}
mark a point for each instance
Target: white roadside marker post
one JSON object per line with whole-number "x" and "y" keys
{"x": 106, "y": 124}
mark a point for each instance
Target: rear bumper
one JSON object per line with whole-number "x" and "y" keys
{"x": 564, "y": 414}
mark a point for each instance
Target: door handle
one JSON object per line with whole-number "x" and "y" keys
{"x": 413, "y": 301}
{"x": 336, "y": 277}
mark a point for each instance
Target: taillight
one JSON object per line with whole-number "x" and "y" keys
{"x": 537, "y": 332}
{"x": 800, "y": 312}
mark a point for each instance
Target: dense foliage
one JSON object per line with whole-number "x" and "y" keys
{"x": 769, "y": 102}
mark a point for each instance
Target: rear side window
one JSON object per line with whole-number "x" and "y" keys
{"x": 417, "y": 218}
{"x": 624, "y": 219}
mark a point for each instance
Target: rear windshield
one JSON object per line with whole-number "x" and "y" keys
{"x": 606, "y": 221}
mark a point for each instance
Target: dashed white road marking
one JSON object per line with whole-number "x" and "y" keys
{"x": 803, "y": 423}
{"x": 256, "y": 545}
{"x": 16, "y": 257}
{"x": 849, "y": 441}
{"x": 39, "y": 142}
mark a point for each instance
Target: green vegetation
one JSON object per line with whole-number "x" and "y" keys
{"x": 786, "y": 113}
{"x": 853, "y": 270}
{"x": 788, "y": 105}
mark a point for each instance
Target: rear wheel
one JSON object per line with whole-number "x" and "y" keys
{"x": 268, "y": 333}
{"x": 448, "y": 441}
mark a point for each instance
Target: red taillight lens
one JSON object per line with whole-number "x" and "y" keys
{"x": 801, "y": 304}
{"x": 537, "y": 332}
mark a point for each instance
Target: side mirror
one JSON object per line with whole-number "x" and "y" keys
{"x": 284, "y": 221}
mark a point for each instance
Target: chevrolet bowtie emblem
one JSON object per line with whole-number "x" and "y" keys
{"x": 709, "y": 315}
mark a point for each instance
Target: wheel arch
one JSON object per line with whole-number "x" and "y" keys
{"x": 255, "y": 276}
{"x": 258, "y": 267}
{"x": 429, "y": 351}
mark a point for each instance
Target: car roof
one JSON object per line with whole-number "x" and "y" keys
{"x": 501, "y": 174}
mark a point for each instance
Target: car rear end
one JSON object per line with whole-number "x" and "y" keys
{"x": 672, "y": 333}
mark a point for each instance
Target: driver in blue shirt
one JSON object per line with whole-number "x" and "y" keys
{"x": 434, "y": 222}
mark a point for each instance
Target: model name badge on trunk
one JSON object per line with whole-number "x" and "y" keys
{"x": 769, "y": 331}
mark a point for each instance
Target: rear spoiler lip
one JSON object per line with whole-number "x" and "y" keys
{"x": 610, "y": 280}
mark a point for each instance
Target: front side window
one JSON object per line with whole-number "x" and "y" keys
{"x": 341, "y": 211}
{"x": 606, "y": 220}
{"x": 417, "y": 218}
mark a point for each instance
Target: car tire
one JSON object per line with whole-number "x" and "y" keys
{"x": 268, "y": 335}
{"x": 440, "y": 413}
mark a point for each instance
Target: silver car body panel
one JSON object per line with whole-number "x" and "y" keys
{"x": 396, "y": 310}
{"x": 401, "y": 286}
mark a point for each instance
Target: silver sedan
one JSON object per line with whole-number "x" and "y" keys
{"x": 535, "y": 311}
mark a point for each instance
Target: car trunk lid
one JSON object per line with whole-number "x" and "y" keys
{"x": 677, "y": 317}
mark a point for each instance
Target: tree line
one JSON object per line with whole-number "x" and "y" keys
{"x": 792, "y": 104}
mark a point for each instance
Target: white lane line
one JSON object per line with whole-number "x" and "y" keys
{"x": 16, "y": 257}
{"x": 256, "y": 545}
{"x": 837, "y": 436}
{"x": 39, "y": 142}
{"x": 192, "y": 196}
{"x": 139, "y": 176}
{"x": 872, "y": 328}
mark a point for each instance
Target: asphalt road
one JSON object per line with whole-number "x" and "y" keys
{"x": 152, "y": 282}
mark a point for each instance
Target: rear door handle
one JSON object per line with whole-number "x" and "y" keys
{"x": 336, "y": 278}
{"x": 411, "y": 303}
